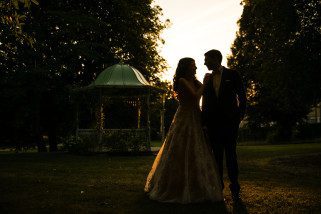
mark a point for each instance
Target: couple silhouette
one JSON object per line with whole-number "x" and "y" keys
{"x": 189, "y": 166}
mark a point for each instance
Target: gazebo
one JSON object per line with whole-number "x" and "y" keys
{"x": 122, "y": 81}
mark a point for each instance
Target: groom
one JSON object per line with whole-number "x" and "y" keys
{"x": 223, "y": 108}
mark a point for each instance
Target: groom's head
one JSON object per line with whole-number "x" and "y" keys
{"x": 213, "y": 59}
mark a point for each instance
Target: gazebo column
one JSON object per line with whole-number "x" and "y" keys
{"x": 148, "y": 121}
{"x": 77, "y": 121}
{"x": 139, "y": 112}
{"x": 162, "y": 115}
{"x": 100, "y": 121}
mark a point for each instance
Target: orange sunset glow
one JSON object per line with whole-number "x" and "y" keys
{"x": 198, "y": 26}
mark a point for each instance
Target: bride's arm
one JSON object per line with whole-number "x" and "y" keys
{"x": 197, "y": 93}
{"x": 198, "y": 83}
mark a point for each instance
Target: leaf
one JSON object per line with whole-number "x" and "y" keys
{"x": 22, "y": 17}
{"x": 15, "y": 4}
{"x": 27, "y": 3}
{"x": 35, "y": 2}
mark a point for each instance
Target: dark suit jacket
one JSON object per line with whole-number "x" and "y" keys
{"x": 228, "y": 107}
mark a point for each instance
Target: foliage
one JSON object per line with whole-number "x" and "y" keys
{"x": 124, "y": 141}
{"x": 113, "y": 141}
{"x": 78, "y": 146}
{"x": 14, "y": 14}
{"x": 277, "y": 50}
{"x": 246, "y": 134}
{"x": 73, "y": 41}
{"x": 80, "y": 38}
{"x": 309, "y": 131}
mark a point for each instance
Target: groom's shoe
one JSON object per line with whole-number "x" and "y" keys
{"x": 236, "y": 197}
{"x": 235, "y": 190}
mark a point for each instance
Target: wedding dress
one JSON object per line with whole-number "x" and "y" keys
{"x": 184, "y": 170}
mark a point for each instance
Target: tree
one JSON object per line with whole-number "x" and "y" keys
{"x": 79, "y": 38}
{"x": 277, "y": 49}
{"x": 74, "y": 41}
{"x": 15, "y": 43}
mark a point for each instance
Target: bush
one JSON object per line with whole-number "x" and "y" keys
{"x": 254, "y": 134}
{"x": 112, "y": 141}
{"x": 309, "y": 131}
{"x": 124, "y": 141}
{"x": 80, "y": 145}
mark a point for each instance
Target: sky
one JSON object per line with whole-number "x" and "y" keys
{"x": 196, "y": 27}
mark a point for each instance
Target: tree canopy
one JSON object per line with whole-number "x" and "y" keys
{"x": 278, "y": 51}
{"x": 65, "y": 44}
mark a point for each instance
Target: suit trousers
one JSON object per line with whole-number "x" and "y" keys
{"x": 223, "y": 141}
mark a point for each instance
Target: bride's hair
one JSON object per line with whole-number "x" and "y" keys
{"x": 181, "y": 69}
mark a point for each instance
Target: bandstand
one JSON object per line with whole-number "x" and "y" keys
{"x": 124, "y": 83}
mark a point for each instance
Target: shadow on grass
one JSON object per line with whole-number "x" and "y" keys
{"x": 146, "y": 205}
{"x": 278, "y": 179}
{"x": 239, "y": 207}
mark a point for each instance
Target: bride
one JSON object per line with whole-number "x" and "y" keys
{"x": 184, "y": 170}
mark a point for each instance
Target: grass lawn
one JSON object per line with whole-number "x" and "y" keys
{"x": 274, "y": 179}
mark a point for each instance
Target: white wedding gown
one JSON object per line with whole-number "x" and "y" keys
{"x": 184, "y": 170}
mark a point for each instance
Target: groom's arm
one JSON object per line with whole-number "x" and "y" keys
{"x": 204, "y": 114}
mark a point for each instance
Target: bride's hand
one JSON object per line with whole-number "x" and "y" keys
{"x": 206, "y": 78}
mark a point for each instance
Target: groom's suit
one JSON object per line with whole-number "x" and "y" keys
{"x": 221, "y": 114}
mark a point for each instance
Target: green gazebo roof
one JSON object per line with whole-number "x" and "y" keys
{"x": 120, "y": 75}
{"x": 121, "y": 78}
